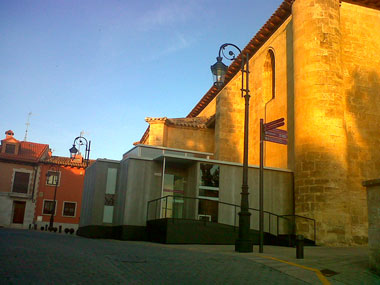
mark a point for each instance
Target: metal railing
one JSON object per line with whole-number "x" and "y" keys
{"x": 294, "y": 225}
{"x": 164, "y": 207}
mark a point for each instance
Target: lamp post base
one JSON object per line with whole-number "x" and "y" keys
{"x": 243, "y": 245}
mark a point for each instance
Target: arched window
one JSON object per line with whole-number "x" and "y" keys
{"x": 269, "y": 83}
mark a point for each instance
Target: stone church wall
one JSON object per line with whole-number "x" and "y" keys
{"x": 361, "y": 92}
{"x": 230, "y": 107}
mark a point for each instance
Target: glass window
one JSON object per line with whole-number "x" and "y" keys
{"x": 269, "y": 77}
{"x": 209, "y": 192}
{"x": 208, "y": 209}
{"x": 21, "y": 182}
{"x": 210, "y": 175}
{"x": 111, "y": 180}
{"x": 52, "y": 178}
{"x": 108, "y": 214}
{"x": 48, "y": 207}
{"x": 10, "y": 148}
{"x": 174, "y": 184}
{"x": 69, "y": 209}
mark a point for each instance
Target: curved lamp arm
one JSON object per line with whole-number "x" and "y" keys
{"x": 219, "y": 69}
{"x": 231, "y": 55}
{"x": 80, "y": 141}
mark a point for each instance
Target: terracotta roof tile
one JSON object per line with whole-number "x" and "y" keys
{"x": 197, "y": 122}
{"x": 366, "y": 3}
{"x": 152, "y": 119}
{"x": 28, "y": 152}
{"x": 65, "y": 161}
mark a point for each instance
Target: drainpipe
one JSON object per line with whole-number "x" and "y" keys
{"x": 162, "y": 183}
{"x": 35, "y": 168}
{"x": 34, "y": 183}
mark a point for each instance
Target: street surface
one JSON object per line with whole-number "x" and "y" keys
{"x": 34, "y": 257}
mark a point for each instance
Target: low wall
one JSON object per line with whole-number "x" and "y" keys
{"x": 373, "y": 201}
{"x": 114, "y": 232}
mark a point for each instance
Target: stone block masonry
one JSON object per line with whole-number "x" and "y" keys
{"x": 373, "y": 197}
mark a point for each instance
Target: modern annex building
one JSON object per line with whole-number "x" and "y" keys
{"x": 314, "y": 63}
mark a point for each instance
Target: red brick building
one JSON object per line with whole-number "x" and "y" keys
{"x": 29, "y": 176}
{"x": 19, "y": 178}
{"x": 66, "y": 177}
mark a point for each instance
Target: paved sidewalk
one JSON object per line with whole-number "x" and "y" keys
{"x": 341, "y": 265}
{"x": 34, "y": 257}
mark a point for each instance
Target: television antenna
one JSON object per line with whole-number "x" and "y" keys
{"x": 27, "y": 126}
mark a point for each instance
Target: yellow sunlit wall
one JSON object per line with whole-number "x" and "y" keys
{"x": 230, "y": 106}
{"x": 327, "y": 87}
{"x": 190, "y": 138}
{"x": 336, "y": 106}
{"x": 361, "y": 93}
{"x": 180, "y": 137}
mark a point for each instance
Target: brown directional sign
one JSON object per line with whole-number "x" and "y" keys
{"x": 276, "y": 140}
{"x": 272, "y": 134}
{"x": 277, "y": 133}
{"x": 274, "y": 124}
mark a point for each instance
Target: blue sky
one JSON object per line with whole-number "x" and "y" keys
{"x": 103, "y": 66}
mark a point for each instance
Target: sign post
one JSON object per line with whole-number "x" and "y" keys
{"x": 261, "y": 188}
{"x": 268, "y": 132}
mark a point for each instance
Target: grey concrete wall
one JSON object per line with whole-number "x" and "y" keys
{"x": 94, "y": 192}
{"x": 143, "y": 183}
{"x": 139, "y": 181}
{"x": 191, "y": 206}
{"x": 88, "y": 196}
{"x": 278, "y": 194}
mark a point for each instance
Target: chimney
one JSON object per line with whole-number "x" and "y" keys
{"x": 78, "y": 158}
{"x": 9, "y": 134}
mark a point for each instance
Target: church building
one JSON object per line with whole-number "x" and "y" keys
{"x": 316, "y": 64}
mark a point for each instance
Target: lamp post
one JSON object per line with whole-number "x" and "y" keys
{"x": 80, "y": 141}
{"x": 219, "y": 69}
{"x": 48, "y": 174}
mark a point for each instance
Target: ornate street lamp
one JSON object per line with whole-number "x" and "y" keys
{"x": 79, "y": 141}
{"x": 48, "y": 175}
{"x": 219, "y": 69}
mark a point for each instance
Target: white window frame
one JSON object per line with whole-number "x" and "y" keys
{"x": 208, "y": 198}
{"x": 43, "y": 207}
{"x": 23, "y": 170}
{"x": 75, "y": 209}
{"x": 209, "y": 188}
{"x": 204, "y": 216}
{"x": 59, "y": 178}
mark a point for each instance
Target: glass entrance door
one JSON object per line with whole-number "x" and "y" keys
{"x": 173, "y": 186}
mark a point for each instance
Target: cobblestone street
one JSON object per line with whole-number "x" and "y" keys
{"x": 31, "y": 257}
